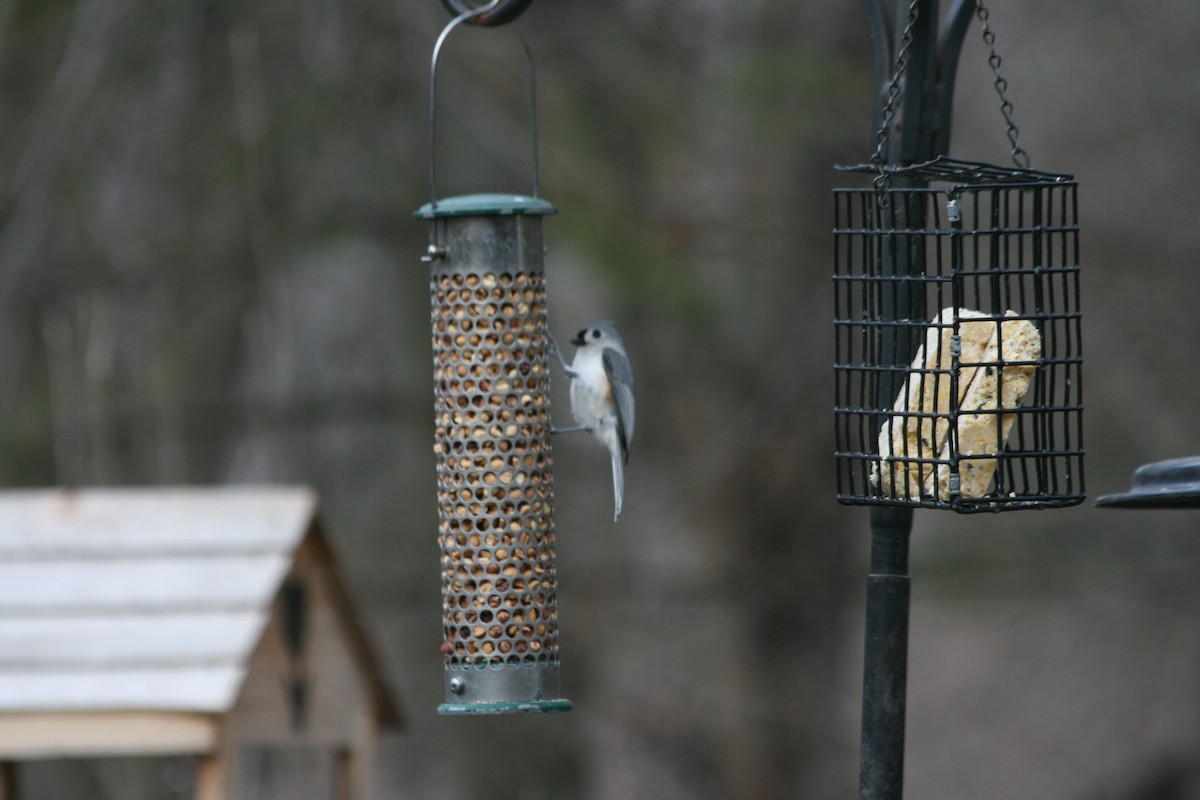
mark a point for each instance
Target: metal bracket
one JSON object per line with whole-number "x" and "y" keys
{"x": 929, "y": 107}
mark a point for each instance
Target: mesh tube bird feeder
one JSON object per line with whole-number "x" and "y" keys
{"x": 492, "y": 444}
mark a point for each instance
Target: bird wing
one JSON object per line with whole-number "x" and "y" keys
{"x": 620, "y": 377}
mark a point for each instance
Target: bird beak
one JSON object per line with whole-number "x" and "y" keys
{"x": 578, "y": 341}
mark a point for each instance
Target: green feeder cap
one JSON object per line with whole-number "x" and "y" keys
{"x": 485, "y": 205}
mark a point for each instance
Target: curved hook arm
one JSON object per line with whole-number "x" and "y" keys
{"x": 879, "y": 26}
{"x": 950, "y": 43}
{"x": 497, "y": 12}
{"x": 937, "y": 64}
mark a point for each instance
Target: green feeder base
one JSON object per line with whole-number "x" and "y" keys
{"x": 530, "y": 707}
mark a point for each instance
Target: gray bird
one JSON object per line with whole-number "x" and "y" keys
{"x": 602, "y": 395}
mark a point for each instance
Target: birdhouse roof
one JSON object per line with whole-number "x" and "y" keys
{"x": 148, "y": 599}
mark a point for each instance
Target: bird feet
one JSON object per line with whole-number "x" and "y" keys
{"x": 552, "y": 349}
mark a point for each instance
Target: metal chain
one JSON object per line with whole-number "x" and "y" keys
{"x": 1019, "y": 156}
{"x": 883, "y": 180}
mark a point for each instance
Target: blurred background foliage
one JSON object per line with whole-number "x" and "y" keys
{"x": 209, "y": 274}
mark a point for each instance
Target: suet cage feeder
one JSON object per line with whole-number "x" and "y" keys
{"x": 957, "y": 368}
{"x": 492, "y": 444}
{"x": 957, "y": 338}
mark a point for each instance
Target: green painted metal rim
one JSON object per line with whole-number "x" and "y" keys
{"x": 485, "y": 205}
{"x": 520, "y": 707}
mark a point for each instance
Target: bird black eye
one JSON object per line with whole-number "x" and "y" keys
{"x": 595, "y": 334}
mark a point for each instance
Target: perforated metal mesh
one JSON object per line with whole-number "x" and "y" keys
{"x": 495, "y": 484}
{"x": 958, "y": 343}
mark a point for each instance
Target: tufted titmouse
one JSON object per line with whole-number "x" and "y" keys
{"x": 602, "y": 395}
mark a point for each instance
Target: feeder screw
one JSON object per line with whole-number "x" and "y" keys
{"x": 457, "y": 685}
{"x": 435, "y": 252}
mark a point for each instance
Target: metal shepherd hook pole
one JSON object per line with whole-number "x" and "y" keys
{"x": 914, "y": 71}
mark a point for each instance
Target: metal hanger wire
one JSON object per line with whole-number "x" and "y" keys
{"x": 467, "y": 17}
{"x": 1018, "y": 154}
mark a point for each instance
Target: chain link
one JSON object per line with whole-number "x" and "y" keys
{"x": 883, "y": 181}
{"x": 1019, "y": 156}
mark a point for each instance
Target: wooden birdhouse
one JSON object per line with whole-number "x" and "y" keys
{"x": 205, "y": 622}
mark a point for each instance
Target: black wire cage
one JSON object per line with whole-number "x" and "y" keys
{"x": 957, "y": 336}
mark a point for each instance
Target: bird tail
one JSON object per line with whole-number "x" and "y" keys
{"x": 618, "y": 484}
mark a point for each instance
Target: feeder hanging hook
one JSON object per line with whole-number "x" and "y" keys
{"x": 471, "y": 17}
{"x": 497, "y": 12}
